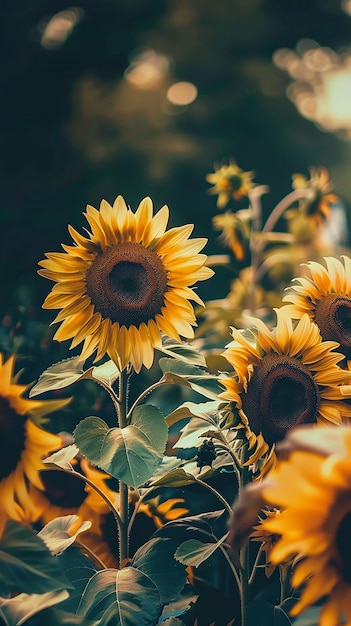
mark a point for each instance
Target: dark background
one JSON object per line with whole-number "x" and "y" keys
{"x": 73, "y": 131}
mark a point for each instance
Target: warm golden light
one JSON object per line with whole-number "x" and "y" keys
{"x": 346, "y": 6}
{"x": 59, "y": 27}
{"x": 147, "y": 69}
{"x": 182, "y": 93}
{"x": 321, "y": 86}
{"x": 334, "y": 103}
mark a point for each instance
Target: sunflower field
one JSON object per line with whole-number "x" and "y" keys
{"x": 172, "y": 460}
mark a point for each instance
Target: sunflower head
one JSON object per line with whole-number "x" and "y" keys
{"x": 284, "y": 377}
{"x": 125, "y": 283}
{"x": 229, "y": 181}
{"x": 23, "y": 444}
{"x": 312, "y": 490}
{"x": 324, "y": 293}
{"x": 316, "y": 205}
{"x": 235, "y": 233}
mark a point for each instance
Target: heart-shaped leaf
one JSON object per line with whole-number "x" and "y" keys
{"x": 128, "y": 454}
{"x": 121, "y": 598}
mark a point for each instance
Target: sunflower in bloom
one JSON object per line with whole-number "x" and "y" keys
{"x": 313, "y": 492}
{"x": 316, "y": 206}
{"x": 285, "y": 377}
{"x": 23, "y": 444}
{"x": 235, "y": 233}
{"x": 125, "y": 283}
{"x": 324, "y": 293}
{"x": 230, "y": 181}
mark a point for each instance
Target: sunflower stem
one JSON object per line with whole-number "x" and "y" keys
{"x": 257, "y": 245}
{"x": 215, "y": 493}
{"x": 284, "y": 577}
{"x": 123, "y": 535}
{"x": 244, "y": 558}
{"x": 91, "y": 483}
{"x": 281, "y": 207}
{"x": 256, "y": 564}
{"x": 90, "y": 554}
{"x": 138, "y": 504}
{"x": 255, "y": 252}
{"x": 143, "y": 395}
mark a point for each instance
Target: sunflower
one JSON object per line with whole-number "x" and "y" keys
{"x": 125, "y": 283}
{"x": 23, "y": 444}
{"x": 235, "y": 233}
{"x": 313, "y": 492}
{"x": 316, "y": 205}
{"x": 230, "y": 181}
{"x": 325, "y": 295}
{"x": 284, "y": 377}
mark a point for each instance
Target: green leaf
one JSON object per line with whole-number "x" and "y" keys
{"x": 203, "y": 527}
{"x": 182, "y": 352}
{"x": 125, "y": 453}
{"x": 178, "y": 607}
{"x": 57, "y": 534}
{"x": 78, "y": 569}
{"x": 57, "y": 617}
{"x": 121, "y": 598}
{"x": 150, "y": 421}
{"x": 156, "y": 559}
{"x": 174, "y": 478}
{"x": 193, "y": 433}
{"x": 63, "y": 457}
{"x": 70, "y": 371}
{"x": 26, "y": 563}
{"x": 270, "y": 614}
{"x": 106, "y": 374}
{"x": 15, "y": 611}
{"x": 310, "y": 617}
{"x": 199, "y": 380}
{"x": 194, "y": 552}
{"x": 192, "y": 409}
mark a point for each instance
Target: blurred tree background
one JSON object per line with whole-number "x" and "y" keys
{"x": 86, "y": 115}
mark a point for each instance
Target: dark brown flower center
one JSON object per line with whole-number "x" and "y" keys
{"x": 12, "y": 438}
{"x": 313, "y": 207}
{"x": 333, "y": 317}
{"x": 127, "y": 284}
{"x": 281, "y": 394}
{"x": 233, "y": 182}
{"x": 343, "y": 546}
{"x": 62, "y": 489}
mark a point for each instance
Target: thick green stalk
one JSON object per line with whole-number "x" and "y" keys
{"x": 244, "y": 556}
{"x": 123, "y": 536}
{"x": 284, "y": 575}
